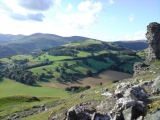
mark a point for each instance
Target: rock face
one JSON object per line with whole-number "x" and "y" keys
{"x": 137, "y": 67}
{"x": 153, "y": 39}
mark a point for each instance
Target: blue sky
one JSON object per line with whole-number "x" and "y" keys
{"x": 107, "y": 20}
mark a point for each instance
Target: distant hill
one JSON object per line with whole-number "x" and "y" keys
{"x": 134, "y": 45}
{"x": 25, "y": 44}
{"x": 22, "y": 44}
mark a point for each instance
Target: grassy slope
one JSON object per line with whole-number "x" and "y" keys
{"x": 84, "y": 43}
{"x": 10, "y": 105}
{"x": 91, "y": 94}
{"x": 11, "y": 88}
{"x": 51, "y": 58}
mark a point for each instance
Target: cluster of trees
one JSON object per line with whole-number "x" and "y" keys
{"x": 85, "y": 61}
{"x": 39, "y": 65}
{"x": 127, "y": 52}
{"x": 97, "y": 47}
{"x": 72, "y": 50}
{"x": 36, "y": 54}
{"x": 62, "y": 51}
{"x": 1, "y": 75}
{"x": 89, "y": 73}
{"x": 89, "y": 48}
{"x": 43, "y": 76}
{"x": 20, "y": 61}
{"x": 76, "y": 89}
{"x": 22, "y": 76}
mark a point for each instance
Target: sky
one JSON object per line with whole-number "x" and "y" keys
{"x": 107, "y": 20}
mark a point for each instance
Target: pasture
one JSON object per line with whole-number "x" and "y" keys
{"x": 105, "y": 77}
{"x": 11, "y": 88}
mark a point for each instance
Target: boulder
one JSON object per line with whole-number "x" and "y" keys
{"x": 128, "y": 108}
{"x": 137, "y": 67}
{"x": 128, "y": 90}
{"x": 79, "y": 113}
{"x": 136, "y": 93}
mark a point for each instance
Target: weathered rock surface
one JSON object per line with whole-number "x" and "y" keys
{"x": 153, "y": 39}
{"x": 137, "y": 67}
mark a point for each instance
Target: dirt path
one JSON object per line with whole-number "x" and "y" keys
{"x": 104, "y": 77}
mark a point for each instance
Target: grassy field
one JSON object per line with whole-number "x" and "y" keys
{"x": 105, "y": 77}
{"x": 13, "y": 104}
{"x": 17, "y": 57}
{"x": 83, "y": 54}
{"x": 73, "y": 68}
{"x": 51, "y": 58}
{"x": 11, "y": 88}
{"x": 97, "y": 64}
{"x": 84, "y": 43}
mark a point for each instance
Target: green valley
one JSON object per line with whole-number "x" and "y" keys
{"x": 44, "y": 75}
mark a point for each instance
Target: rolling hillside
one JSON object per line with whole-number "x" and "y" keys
{"x": 48, "y": 75}
{"x": 133, "y": 45}
{"x": 22, "y": 44}
{"x": 71, "y": 62}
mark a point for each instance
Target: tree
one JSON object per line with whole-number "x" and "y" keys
{"x": 89, "y": 73}
{"x": 47, "y": 60}
{"x": 65, "y": 64}
{"x": 77, "y": 63}
{"x": 41, "y": 76}
{"x": 57, "y": 69}
{"x": 39, "y": 58}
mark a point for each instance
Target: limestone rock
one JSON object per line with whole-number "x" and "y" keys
{"x": 98, "y": 116}
{"x": 79, "y": 113}
{"x": 153, "y": 39}
{"x": 137, "y": 67}
{"x": 129, "y": 90}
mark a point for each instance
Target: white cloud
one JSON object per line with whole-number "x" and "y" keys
{"x": 139, "y": 35}
{"x": 131, "y": 18}
{"x": 57, "y": 2}
{"x": 88, "y": 6}
{"x": 69, "y": 8}
{"x": 111, "y": 1}
{"x": 87, "y": 14}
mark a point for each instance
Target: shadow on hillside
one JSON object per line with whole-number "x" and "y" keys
{"x": 65, "y": 83}
{"x": 1, "y": 80}
{"x": 44, "y": 80}
{"x": 75, "y": 70}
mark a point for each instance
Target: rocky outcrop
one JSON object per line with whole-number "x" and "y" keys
{"x": 128, "y": 102}
{"x": 137, "y": 67}
{"x": 153, "y": 39}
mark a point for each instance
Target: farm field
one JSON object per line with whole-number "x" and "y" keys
{"x": 105, "y": 77}
{"x": 12, "y": 88}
